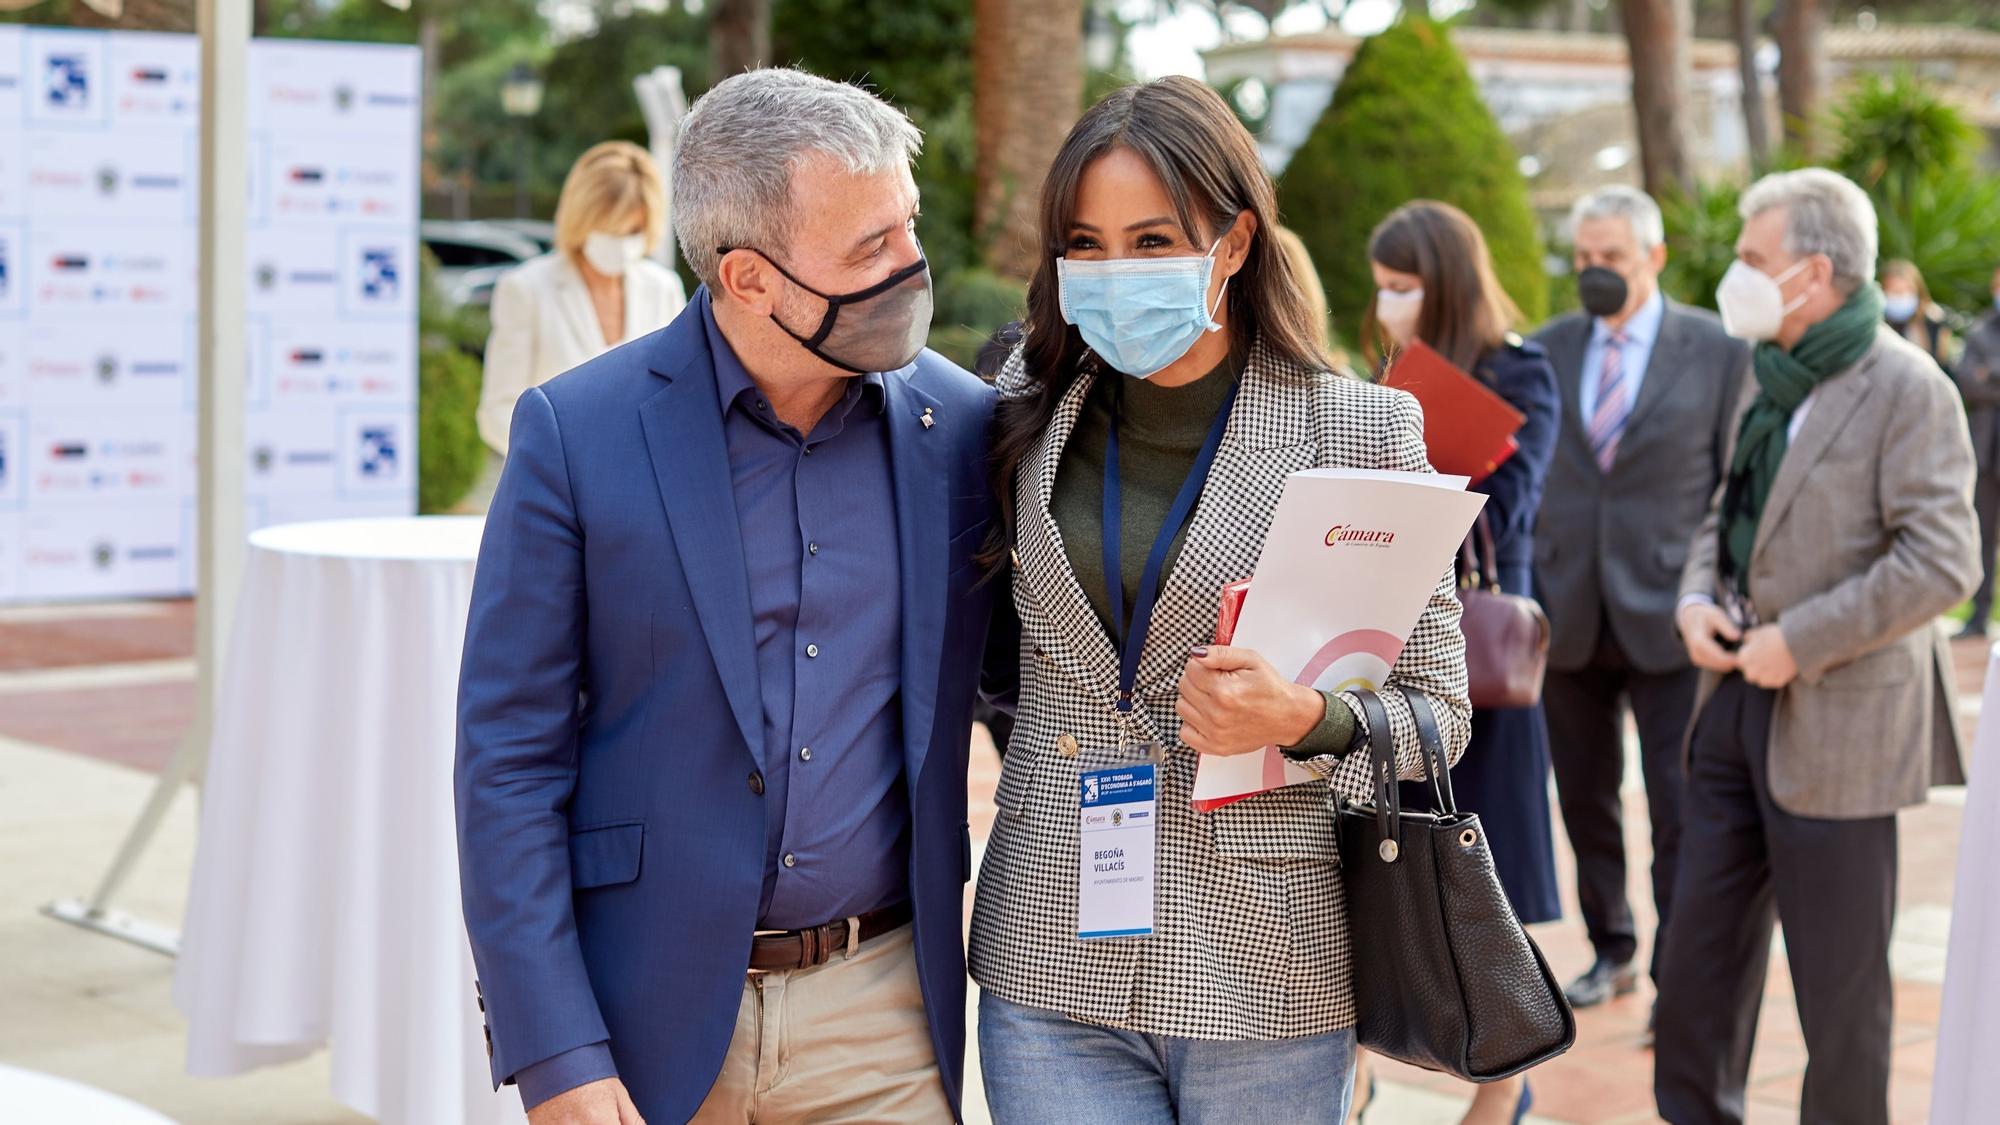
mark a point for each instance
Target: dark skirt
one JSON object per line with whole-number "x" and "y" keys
{"x": 1504, "y": 777}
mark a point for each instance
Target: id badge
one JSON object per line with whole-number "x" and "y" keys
{"x": 1116, "y": 836}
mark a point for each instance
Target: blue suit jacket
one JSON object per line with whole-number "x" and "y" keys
{"x": 610, "y": 814}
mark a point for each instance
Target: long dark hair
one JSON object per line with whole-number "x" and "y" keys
{"x": 1466, "y": 313}
{"x": 1209, "y": 166}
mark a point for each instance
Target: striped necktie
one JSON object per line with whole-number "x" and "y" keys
{"x": 1607, "y": 425}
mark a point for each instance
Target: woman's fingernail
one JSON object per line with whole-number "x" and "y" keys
{"x": 1198, "y": 651}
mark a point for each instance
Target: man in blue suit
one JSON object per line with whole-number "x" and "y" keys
{"x": 721, "y": 661}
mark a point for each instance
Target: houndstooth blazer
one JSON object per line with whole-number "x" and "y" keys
{"x": 1250, "y": 936}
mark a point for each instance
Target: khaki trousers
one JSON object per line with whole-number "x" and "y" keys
{"x": 845, "y": 1041}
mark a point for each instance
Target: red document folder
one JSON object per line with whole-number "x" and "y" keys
{"x": 1468, "y": 429}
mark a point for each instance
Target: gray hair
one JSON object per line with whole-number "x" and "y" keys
{"x": 1628, "y": 203}
{"x": 1825, "y": 213}
{"x": 743, "y": 140}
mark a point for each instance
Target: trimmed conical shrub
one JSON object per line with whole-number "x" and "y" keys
{"x": 1407, "y": 122}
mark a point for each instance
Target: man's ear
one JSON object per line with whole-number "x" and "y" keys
{"x": 1657, "y": 258}
{"x": 748, "y": 279}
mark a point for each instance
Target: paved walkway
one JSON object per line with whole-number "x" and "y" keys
{"x": 95, "y": 698}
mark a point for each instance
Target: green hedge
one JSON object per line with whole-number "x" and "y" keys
{"x": 449, "y": 373}
{"x": 1407, "y": 122}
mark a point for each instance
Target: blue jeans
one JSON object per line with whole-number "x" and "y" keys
{"x": 1041, "y": 1066}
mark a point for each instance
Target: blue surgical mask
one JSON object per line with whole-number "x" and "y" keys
{"x": 1139, "y": 314}
{"x": 1899, "y": 307}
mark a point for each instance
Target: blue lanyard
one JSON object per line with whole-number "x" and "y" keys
{"x": 1131, "y": 642}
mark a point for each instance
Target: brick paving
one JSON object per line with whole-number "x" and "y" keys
{"x": 1605, "y": 1079}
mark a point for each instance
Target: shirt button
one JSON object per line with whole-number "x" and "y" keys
{"x": 757, "y": 784}
{"x": 812, "y": 548}
{"x": 791, "y": 860}
{"x": 805, "y": 753}
{"x": 812, "y": 651}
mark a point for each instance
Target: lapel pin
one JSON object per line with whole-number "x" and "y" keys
{"x": 927, "y": 419}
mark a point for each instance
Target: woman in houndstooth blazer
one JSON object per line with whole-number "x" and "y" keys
{"x": 1238, "y": 1006}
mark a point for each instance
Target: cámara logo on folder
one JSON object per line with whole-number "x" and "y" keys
{"x": 1347, "y": 533}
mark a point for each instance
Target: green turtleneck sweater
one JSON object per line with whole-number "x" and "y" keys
{"x": 1161, "y": 430}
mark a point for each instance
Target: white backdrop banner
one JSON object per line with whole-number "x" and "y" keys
{"x": 99, "y": 168}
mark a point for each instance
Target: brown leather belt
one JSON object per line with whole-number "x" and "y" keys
{"x": 803, "y": 949}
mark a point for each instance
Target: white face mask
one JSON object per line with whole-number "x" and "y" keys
{"x": 1752, "y": 303}
{"x": 612, "y": 254}
{"x": 1398, "y": 313}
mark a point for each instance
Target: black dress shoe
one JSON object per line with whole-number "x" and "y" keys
{"x": 1605, "y": 980}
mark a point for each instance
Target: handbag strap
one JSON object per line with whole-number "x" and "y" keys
{"x": 1382, "y": 760}
{"x": 1479, "y": 557}
{"x": 1433, "y": 741}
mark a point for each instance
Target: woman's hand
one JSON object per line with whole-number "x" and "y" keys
{"x": 1233, "y": 702}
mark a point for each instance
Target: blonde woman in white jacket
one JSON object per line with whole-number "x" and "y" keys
{"x": 595, "y": 290}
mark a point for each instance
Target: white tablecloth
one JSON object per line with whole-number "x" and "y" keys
{"x": 1967, "y": 1087}
{"x": 28, "y": 1098}
{"x": 324, "y": 909}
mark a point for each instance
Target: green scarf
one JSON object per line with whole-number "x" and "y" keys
{"x": 1784, "y": 379}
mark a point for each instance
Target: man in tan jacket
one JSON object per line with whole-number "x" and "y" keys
{"x": 1844, "y": 528}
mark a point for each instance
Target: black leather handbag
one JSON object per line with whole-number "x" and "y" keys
{"x": 1445, "y": 978}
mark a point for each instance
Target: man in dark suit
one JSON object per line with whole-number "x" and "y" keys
{"x": 1978, "y": 375}
{"x": 1649, "y": 387}
{"x": 719, "y": 668}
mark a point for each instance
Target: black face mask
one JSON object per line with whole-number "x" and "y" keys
{"x": 1602, "y": 291}
{"x": 885, "y": 325}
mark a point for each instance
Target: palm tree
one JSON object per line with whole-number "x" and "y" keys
{"x": 1756, "y": 127}
{"x": 1801, "y": 28}
{"x": 739, "y": 36}
{"x": 1027, "y": 90}
{"x": 1659, "y": 40}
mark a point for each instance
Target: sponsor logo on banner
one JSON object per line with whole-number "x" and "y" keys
{"x": 6, "y": 269}
{"x": 377, "y": 455}
{"x": 103, "y": 554}
{"x": 261, "y": 459}
{"x": 343, "y": 97}
{"x": 107, "y": 369}
{"x": 380, "y": 280}
{"x": 107, "y": 180}
{"x": 66, "y": 81}
{"x": 1343, "y": 534}
{"x": 266, "y": 276}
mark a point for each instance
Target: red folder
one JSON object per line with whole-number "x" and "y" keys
{"x": 1468, "y": 429}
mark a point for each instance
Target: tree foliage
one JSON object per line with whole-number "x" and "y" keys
{"x": 1407, "y": 122}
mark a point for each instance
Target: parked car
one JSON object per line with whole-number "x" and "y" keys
{"x": 542, "y": 231}
{"x": 464, "y": 246}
